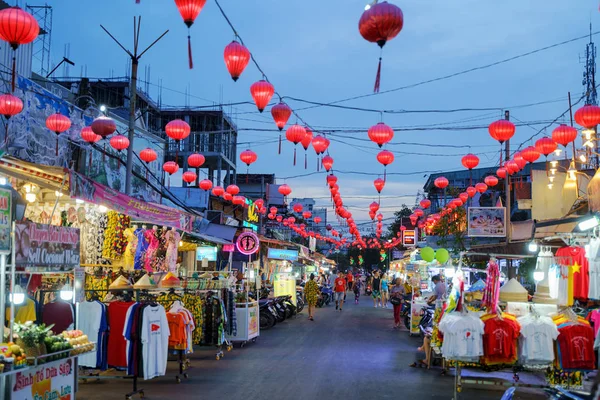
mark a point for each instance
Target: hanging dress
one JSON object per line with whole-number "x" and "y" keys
{"x": 173, "y": 239}
{"x": 129, "y": 254}
{"x": 140, "y": 251}
{"x": 153, "y": 244}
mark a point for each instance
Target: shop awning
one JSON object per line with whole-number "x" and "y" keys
{"x": 544, "y": 229}
{"x": 54, "y": 178}
{"x": 211, "y": 239}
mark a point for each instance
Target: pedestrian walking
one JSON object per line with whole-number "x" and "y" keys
{"x": 350, "y": 279}
{"x": 376, "y": 290}
{"x": 384, "y": 291}
{"x": 396, "y": 296}
{"x": 311, "y": 291}
{"x": 340, "y": 291}
{"x": 356, "y": 288}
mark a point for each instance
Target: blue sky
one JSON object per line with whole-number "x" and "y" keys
{"x": 312, "y": 50}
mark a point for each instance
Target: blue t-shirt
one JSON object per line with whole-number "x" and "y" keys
{"x": 384, "y": 285}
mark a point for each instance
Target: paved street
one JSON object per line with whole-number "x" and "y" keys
{"x": 349, "y": 355}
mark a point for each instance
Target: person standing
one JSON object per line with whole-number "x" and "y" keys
{"x": 311, "y": 291}
{"x": 376, "y": 282}
{"x": 340, "y": 291}
{"x": 397, "y": 292}
{"x": 350, "y": 279}
{"x": 384, "y": 291}
{"x": 439, "y": 292}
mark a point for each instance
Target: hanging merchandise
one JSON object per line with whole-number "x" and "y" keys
{"x": 491, "y": 293}
{"x": 115, "y": 240}
{"x": 513, "y": 291}
{"x": 593, "y": 255}
{"x": 576, "y": 269}
{"x": 151, "y": 262}
{"x": 538, "y": 334}
{"x": 463, "y": 336}
{"x": 144, "y": 283}
{"x": 172, "y": 239}
{"x": 546, "y": 289}
{"x": 170, "y": 281}
{"x": 59, "y": 314}
{"x": 120, "y": 283}
{"x": 575, "y": 341}
{"x": 117, "y": 345}
{"x": 142, "y": 246}
{"x": 92, "y": 320}
{"x": 500, "y": 338}
{"x": 129, "y": 253}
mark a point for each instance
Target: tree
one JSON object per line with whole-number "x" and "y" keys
{"x": 394, "y": 227}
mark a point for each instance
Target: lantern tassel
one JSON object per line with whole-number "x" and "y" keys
{"x": 384, "y": 174}
{"x": 279, "y": 143}
{"x": 191, "y": 62}
{"x": 377, "y": 78}
{"x": 90, "y": 162}
{"x": 317, "y": 163}
{"x": 247, "y": 173}
{"x": 57, "y": 146}
{"x": 6, "y": 135}
{"x": 14, "y": 72}
{"x": 294, "y": 156}
{"x": 305, "y": 161}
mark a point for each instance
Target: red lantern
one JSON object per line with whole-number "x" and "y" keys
{"x": 89, "y": 136}
{"x": 295, "y": 134}
{"x": 10, "y": 105}
{"x": 413, "y": 219}
{"x": 530, "y": 154}
{"x": 331, "y": 180}
{"x": 385, "y": 157}
{"x": 588, "y": 116}
{"x": 281, "y": 114}
{"x": 104, "y": 126}
{"x": 464, "y": 196}
{"x": 512, "y": 167}
{"x": 374, "y": 206}
{"x": 564, "y": 134}
{"x": 470, "y": 161}
{"x": 248, "y": 157}
{"x": 471, "y": 191}
{"x": 189, "y": 10}
{"x": 378, "y": 24}
{"x": 491, "y": 180}
{"x": 502, "y": 172}
{"x": 306, "y": 214}
{"x": 279, "y": 218}
{"x": 545, "y": 146}
{"x": 457, "y": 202}
{"x": 285, "y": 190}
{"x": 147, "y": 155}
{"x": 119, "y": 142}
{"x": 418, "y": 212}
{"x": 196, "y": 160}
{"x": 320, "y": 144}
{"x": 271, "y": 216}
{"x": 177, "y": 130}
{"x": 189, "y": 176}
{"x": 219, "y": 191}
{"x": 261, "y": 92}
{"x": 379, "y": 217}
{"x": 227, "y": 196}
{"x": 440, "y": 183}
{"x": 57, "y": 123}
{"x": 502, "y": 130}
{"x": 327, "y": 162}
{"x": 17, "y": 27}
{"x": 297, "y": 208}
{"x": 425, "y": 203}
{"x": 317, "y": 220}
{"x": 381, "y": 134}
{"x": 481, "y": 187}
{"x": 521, "y": 162}
{"x": 170, "y": 167}
{"x": 206, "y": 184}
{"x": 236, "y": 57}
{"x": 379, "y": 184}
{"x": 239, "y": 200}
{"x": 273, "y": 210}
{"x": 306, "y": 144}
{"x": 232, "y": 190}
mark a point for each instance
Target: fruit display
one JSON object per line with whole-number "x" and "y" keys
{"x": 12, "y": 356}
{"x": 78, "y": 341}
{"x": 55, "y": 344}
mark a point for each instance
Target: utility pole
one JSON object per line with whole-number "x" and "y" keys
{"x": 135, "y": 60}
{"x": 507, "y": 182}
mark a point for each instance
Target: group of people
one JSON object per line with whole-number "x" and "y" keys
{"x": 342, "y": 283}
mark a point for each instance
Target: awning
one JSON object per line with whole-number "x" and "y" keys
{"x": 211, "y": 239}
{"x": 43, "y": 176}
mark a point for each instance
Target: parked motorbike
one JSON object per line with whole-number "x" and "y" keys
{"x": 405, "y": 310}
{"x": 557, "y": 393}
{"x": 326, "y": 296}
{"x": 267, "y": 314}
{"x": 426, "y": 323}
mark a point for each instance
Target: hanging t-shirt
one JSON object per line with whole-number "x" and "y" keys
{"x": 60, "y": 314}
{"x": 553, "y": 279}
{"x": 117, "y": 345}
{"x": 24, "y": 312}
{"x": 576, "y": 346}
{"x": 575, "y": 257}
{"x": 594, "y": 318}
{"x": 88, "y": 321}
{"x": 462, "y": 336}
{"x": 538, "y": 339}
{"x": 155, "y": 340}
{"x": 594, "y": 269}
{"x": 500, "y": 339}
{"x": 565, "y": 277}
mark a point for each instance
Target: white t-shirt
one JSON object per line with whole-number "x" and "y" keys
{"x": 88, "y": 321}
{"x": 538, "y": 336}
{"x": 463, "y": 336}
{"x": 593, "y": 253}
{"x": 553, "y": 278}
{"x": 155, "y": 341}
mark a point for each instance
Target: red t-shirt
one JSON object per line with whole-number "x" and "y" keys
{"x": 59, "y": 313}
{"x": 349, "y": 277}
{"x": 576, "y": 343}
{"x": 340, "y": 284}
{"x": 117, "y": 345}
{"x": 500, "y": 340}
{"x": 580, "y": 265}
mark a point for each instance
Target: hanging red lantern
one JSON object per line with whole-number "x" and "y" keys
{"x": 227, "y": 196}
{"x": 147, "y": 155}
{"x": 374, "y": 206}
{"x": 418, "y": 212}
{"x": 413, "y": 219}
{"x": 285, "y": 190}
{"x": 530, "y": 154}
{"x": 271, "y": 216}
{"x": 195, "y": 160}
{"x": 88, "y": 135}
{"x": 295, "y": 134}
{"x": 239, "y": 200}
{"x": 119, "y": 142}
{"x": 58, "y": 123}
{"x": 177, "y": 130}
{"x": 170, "y": 167}
{"x": 279, "y": 218}
{"x": 425, "y": 203}
{"x": 379, "y": 23}
{"x": 261, "y": 92}
{"x": 385, "y": 157}
{"x": 327, "y": 162}
{"x": 17, "y": 27}
{"x": 281, "y": 114}
{"x": 457, "y": 202}
{"x": 273, "y": 210}
{"x": 10, "y": 105}
{"x": 331, "y": 180}
{"x": 464, "y": 196}
{"x": 306, "y": 214}
{"x": 218, "y": 191}
{"x": 512, "y": 167}
{"x": 232, "y": 190}
{"x": 588, "y": 116}
{"x": 317, "y": 220}
{"x": 441, "y": 182}
{"x": 306, "y": 144}
{"x": 379, "y": 184}
{"x": 189, "y": 10}
{"x": 320, "y": 144}
{"x": 502, "y": 130}
{"x": 481, "y": 187}
{"x": 491, "y": 181}
{"x": 189, "y": 176}
{"x": 564, "y": 134}
{"x": 205, "y": 184}
{"x": 471, "y": 191}
{"x": 379, "y": 217}
{"x": 248, "y": 157}
{"x": 236, "y": 57}
{"x": 502, "y": 172}
{"x": 381, "y": 134}
{"x": 470, "y": 161}
{"x": 545, "y": 146}
{"x": 104, "y": 126}
{"x": 518, "y": 158}
{"x": 297, "y": 208}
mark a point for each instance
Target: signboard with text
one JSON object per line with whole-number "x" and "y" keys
{"x": 282, "y": 254}
{"x": 208, "y": 252}
{"x": 40, "y": 247}
{"x": 55, "y": 380}
{"x": 487, "y": 222}
{"x": 408, "y": 238}
{"x": 5, "y": 219}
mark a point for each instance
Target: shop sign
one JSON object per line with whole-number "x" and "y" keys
{"x": 396, "y": 255}
{"x": 487, "y": 222}
{"x": 5, "y": 219}
{"x": 85, "y": 189}
{"x": 282, "y": 254}
{"x": 46, "y": 247}
{"x": 251, "y": 214}
{"x": 206, "y": 252}
{"x": 311, "y": 268}
{"x": 79, "y": 278}
{"x": 55, "y": 380}
{"x": 247, "y": 243}
{"x": 250, "y": 225}
{"x": 253, "y": 322}
{"x": 408, "y": 238}
{"x": 228, "y": 248}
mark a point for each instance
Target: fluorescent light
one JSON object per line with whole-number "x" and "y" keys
{"x": 588, "y": 133}
{"x": 538, "y": 275}
{"x": 582, "y": 158}
{"x": 589, "y": 144}
{"x": 550, "y": 185}
{"x": 533, "y": 247}
{"x": 557, "y": 152}
{"x": 18, "y": 294}
{"x": 554, "y": 163}
{"x": 551, "y": 179}
{"x": 552, "y": 171}
{"x": 66, "y": 293}
{"x": 589, "y": 223}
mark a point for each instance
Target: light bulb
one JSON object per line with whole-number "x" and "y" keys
{"x": 17, "y": 296}
{"x": 557, "y": 152}
{"x": 550, "y": 185}
{"x": 589, "y": 144}
{"x": 551, "y": 179}
{"x": 30, "y": 197}
{"x": 533, "y": 247}
{"x": 103, "y": 108}
{"x": 367, "y": 7}
{"x": 582, "y": 158}
{"x": 180, "y": 243}
{"x": 79, "y": 201}
{"x": 102, "y": 209}
{"x": 554, "y": 163}
{"x": 3, "y": 180}
{"x": 66, "y": 293}
{"x": 552, "y": 171}
{"x": 58, "y": 194}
